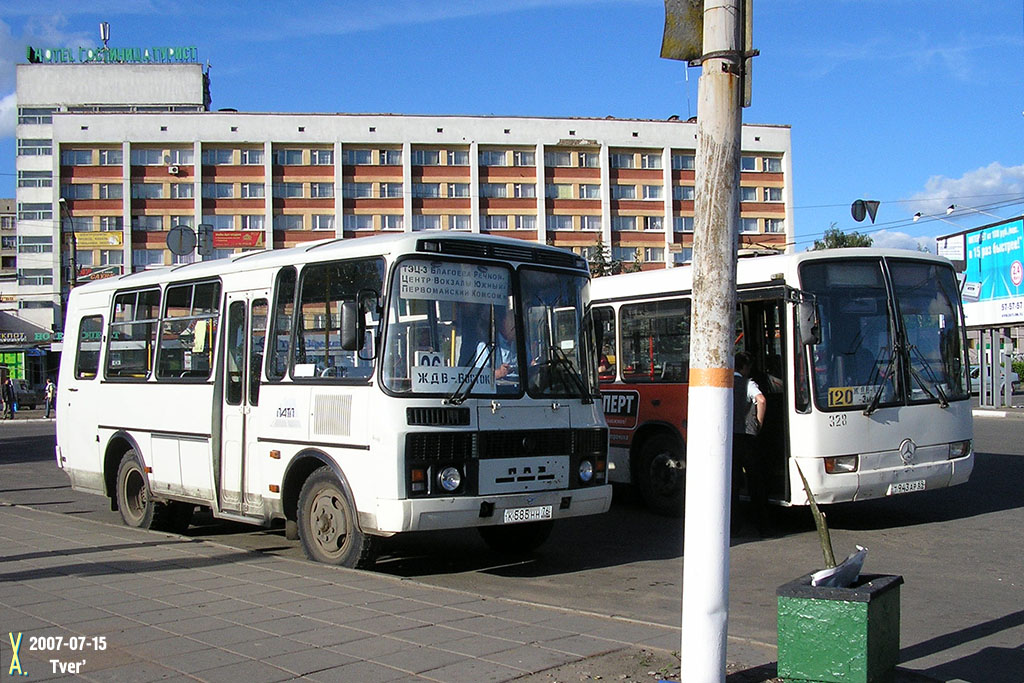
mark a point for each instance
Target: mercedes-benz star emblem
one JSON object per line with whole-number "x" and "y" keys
{"x": 907, "y": 449}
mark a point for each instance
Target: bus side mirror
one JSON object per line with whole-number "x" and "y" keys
{"x": 353, "y": 326}
{"x": 808, "y": 323}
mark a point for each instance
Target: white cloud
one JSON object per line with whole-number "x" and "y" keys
{"x": 8, "y": 109}
{"x": 894, "y": 239}
{"x": 48, "y": 31}
{"x": 987, "y": 189}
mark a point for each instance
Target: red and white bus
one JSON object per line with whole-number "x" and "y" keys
{"x": 861, "y": 355}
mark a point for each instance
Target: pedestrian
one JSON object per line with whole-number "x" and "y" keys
{"x": 749, "y": 406}
{"x": 10, "y": 398}
{"x": 50, "y": 396}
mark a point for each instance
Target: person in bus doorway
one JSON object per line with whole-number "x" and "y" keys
{"x": 749, "y": 406}
{"x": 50, "y": 396}
{"x": 10, "y": 397}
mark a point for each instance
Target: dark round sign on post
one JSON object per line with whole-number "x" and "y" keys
{"x": 858, "y": 210}
{"x": 181, "y": 240}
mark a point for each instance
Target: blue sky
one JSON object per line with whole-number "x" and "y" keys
{"x": 915, "y": 103}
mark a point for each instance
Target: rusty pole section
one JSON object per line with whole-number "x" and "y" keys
{"x": 709, "y": 451}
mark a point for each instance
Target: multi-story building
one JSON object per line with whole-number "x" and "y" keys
{"x": 8, "y": 241}
{"x": 113, "y": 179}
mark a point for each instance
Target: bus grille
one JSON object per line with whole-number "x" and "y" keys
{"x": 437, "y": 417}
{"x": 426, "y": 446}
{"x": 455, "y": 446}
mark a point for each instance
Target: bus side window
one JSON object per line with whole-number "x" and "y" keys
{"x": 284, "y": 309}
{"x": 604, "y": 329}
{"x": 87, "y": 355}
{"x": 132, "y": 337}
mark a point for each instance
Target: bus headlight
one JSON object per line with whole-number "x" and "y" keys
{"x": 450, "y": 479}
{"x": 840, "y": 464}
{"x": 586, "y": 471}
{"x": 959, "y": 449}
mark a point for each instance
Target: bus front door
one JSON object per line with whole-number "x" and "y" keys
{"x": 245, "y": 337}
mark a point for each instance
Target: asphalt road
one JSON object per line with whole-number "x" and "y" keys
{"x": 959, "y": 551}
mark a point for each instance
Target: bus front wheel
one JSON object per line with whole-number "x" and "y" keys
{"x": 327, "y": 524}
{"x": 661, "y": 475}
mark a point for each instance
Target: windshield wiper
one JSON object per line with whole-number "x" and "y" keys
{"x": 563, "y": 360}
{"x": 873, "y": 405}
{"x": 462, "y": 391}
{"x": 941, "y": 398}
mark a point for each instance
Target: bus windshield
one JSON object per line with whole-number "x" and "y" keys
{"x": 879, "y": 348}
{"x": 457, "y": 329}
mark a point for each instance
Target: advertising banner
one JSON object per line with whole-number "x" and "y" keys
{"x": 231, "y": 239}
{"x": 993, "y": 291}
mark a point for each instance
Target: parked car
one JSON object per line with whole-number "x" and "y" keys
{"x": 1008, "y": 376}
{"x": 28, "y": 395}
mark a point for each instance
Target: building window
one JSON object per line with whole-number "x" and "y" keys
{"x": 321, "y": 157}
{"x": 426, "y": 157}
{"x": 218, "y": 190}
{"x": 255, "y": 221}
{"x": 772, "y": 165}
{"x": 357, "y": 157}
{"x": 111, "y": 257}
{"x": 114, "y": 190}
{"x": 459, "y": 222}
{"x": 220, "y": 221}
{"x": 391, "y": 157}
{"x": 653, "y": 222}
{"x": 748, "y": 194}
{"x": 143, "y": 258}
{"x": 491, "y": 190}
{"x": 558, "y": 159}
{"x": 526, "y": 222}
{"x": 589, "y": 160}
{"x": 357, "y": 222}
{"x": 34, "y": 116}
{"x": 524, "y": 190}
{"x": 392, "y": 222}
{"x": 147, "y": 223}
{"x": 35, "y": 211}
{"x": 623, "y": 222}
{"x": 148, "y": 190}
{"x": 182, "y": 156}
{"x": 558, "y": 191}
{"x": 391, "y": 190}
{"x": 76, "y": 191}
{"x": 494, "y": 222}
{"x": 323, "y": 221}
{"x": 682, "y": 223}
{"x": 217, "y": 156}
{"x": 253, "y": 190}
{"x": 252, "y": 157}
{"x": 421, "y": 222}
{"x": 774, "y": 225}
{"x": 76, "y": 157}
{"x": 683, "y": 192}
{"x": 287, "y": 222}
{"x": 590, "y": 223}
{"x": 283, "y": 190}
{"x": 458, "y": 157}
{"x": 773, "y": 194}
{"x": 35, "y": 245}
{"x": 32, "y": 147}
{"x": 590, "y": 191}
{"x": 748, "y": 225}
{"x": 492, "y": 157}
{"x": 35, "y": 276}
{"x": 144, "y": 156}
{"x": 524, "y": 158}
{"x": 356, "y": 190}
{"x": 654, "y": 192}
{"x": 559, "y": 222}
{"x": 683, "y": 162}
{"x": 654, "y": 254}
{"x": 683, "y": 256}
{"x": 186, "y": 221}
{"x": 288, "y": 157}
{"x": 621, "y": 160}
{"x": 113, "y": 223}
{"x": 458, "y": 189}
{"x": 748, "y": 163}
{"x": 321, "y": 190}
{"x": 623, "y": 191}
{"x": 650, "y": 161}
{"x": 430, "y": 190}
{"x": 35, "y": 179}
{"x": 111, "y": 157}
{"x": 624, "y": 254}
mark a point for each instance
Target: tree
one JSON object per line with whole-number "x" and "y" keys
{"x": 834, "y": 238}
{"x": 601, "y": 262}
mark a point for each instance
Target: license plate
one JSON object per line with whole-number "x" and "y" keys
{"x": 534, "y": 514}
{"x": 906, "y": 487}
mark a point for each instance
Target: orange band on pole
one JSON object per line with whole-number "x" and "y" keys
{"x": 711, "y": 377}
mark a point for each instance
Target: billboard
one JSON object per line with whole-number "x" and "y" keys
{"x": 993, "y": 275}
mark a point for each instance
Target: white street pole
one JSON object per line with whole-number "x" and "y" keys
{"x": 705, "y": 611}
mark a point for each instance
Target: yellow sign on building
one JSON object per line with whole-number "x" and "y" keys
{"x": 98, "y": 240}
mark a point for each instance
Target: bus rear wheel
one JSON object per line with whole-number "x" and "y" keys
{"x": 661, "y": 475}
{"x": 134, "y": 498}
{"x": 328, "y": 527}
{"x": 516, "y": 539}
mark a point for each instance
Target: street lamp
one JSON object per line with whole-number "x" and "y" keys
{"x": 70, "y": 244}
{"x": 953, "y": 207}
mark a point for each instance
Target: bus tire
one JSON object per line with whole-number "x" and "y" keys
{"x": 516, "y": 539}
{"x": 134, "y": 497}
{"x": 661, "y": 475}
{"x": 327, "y": 524}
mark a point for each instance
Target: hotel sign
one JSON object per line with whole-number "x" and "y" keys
{"x": 113, "y": 55}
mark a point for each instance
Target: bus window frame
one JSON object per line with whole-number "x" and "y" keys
{"x": 154, "y": 335}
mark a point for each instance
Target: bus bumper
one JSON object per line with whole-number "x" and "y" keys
{"x": 395, "y": 516}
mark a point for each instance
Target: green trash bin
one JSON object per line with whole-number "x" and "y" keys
{"x": 839, "y": 635}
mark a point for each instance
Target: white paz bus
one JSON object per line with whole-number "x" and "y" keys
{"x": 354, "y": 388}
{"x": 860, "y": 353}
